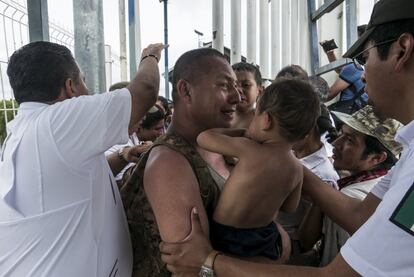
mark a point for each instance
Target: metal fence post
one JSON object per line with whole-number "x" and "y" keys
{"x": 38, "y": 20}
{"x": 89, "y": 42}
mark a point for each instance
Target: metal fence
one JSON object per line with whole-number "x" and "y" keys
{"x": 14, "y": 33}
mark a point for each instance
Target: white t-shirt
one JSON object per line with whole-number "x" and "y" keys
{"x": 334, "y": 236}
{"x": 60, "y": 210}
{"x": 319, "y": 163}
{"x": 384, "y": 245}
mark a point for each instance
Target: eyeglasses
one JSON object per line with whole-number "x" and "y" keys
{"x": 359, "y": 60}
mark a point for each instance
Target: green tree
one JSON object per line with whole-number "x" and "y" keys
{"x": 10, "y": 116}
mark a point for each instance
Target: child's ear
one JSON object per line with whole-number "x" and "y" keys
{"x": 266, "y": 122}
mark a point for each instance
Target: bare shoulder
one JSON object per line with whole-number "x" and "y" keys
{"x": 289, "y": 167}
{"x": 286, "y": 159}
{"x": 167, "y": 164}
{"x": 245, "y": 141}
{"x": 254, "y": 150}
{"x": 172, "y": 190}
{"x": 297, "y": 169}
{"x": 161, "y": 155}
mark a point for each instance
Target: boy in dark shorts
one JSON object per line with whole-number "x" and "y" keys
{"x": 267, "y": 177}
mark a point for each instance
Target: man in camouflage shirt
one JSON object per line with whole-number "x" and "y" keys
{"x": 175, "y": 175}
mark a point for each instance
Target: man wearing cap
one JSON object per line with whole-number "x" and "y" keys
{"x": 367, "y": 149}
{"x": 383, "y": 223}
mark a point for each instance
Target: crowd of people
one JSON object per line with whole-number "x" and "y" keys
{"x": 230, "y": 178}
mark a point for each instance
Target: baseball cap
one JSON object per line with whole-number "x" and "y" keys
{"x": 385, "y": 11}
{"x": 366, "y": 122}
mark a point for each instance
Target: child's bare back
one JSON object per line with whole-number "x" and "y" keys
{"x": 267, "y": 177}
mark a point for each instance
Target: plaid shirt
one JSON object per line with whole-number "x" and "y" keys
{"x": 361, "y": 177}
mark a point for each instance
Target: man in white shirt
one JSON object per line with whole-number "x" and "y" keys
{"x": 367, "y": 154}
{"x": 383, "y": 223}
{"x": 60, "y": 209}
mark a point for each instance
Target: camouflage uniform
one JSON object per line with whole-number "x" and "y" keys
{"x": 142, "y": 225}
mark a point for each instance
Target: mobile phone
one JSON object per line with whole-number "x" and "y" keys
{"x": 329, "y": 45}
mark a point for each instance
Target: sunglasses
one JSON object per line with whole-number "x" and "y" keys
{"x": 360, "y": 59}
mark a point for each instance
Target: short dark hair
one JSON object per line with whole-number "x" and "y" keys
{"x": 292, "y": 71}
{"x": 294, "y": 104}
{"x": 38, "y": 70}
{"x": 191, "y": 65}
{"x": 152, "y": 117}
{"x": 324, "y": 124}
{"x": 374, "y": 146}
{"x": 242, "y": 66}
{"x": 165, "y": 104}
{"x": 320, "y": 86}
{"x": 388, "y": 31}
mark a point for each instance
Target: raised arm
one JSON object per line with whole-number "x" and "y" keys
{"x": 144, "y": 87}
{"x": 350, "y": 213}
{"x": 336, "y": 88}
{"x": 330, "y": 54}
{"x": 229, "y": 142}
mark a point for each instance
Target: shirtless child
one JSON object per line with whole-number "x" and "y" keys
{"x": 249, "y": 82}
{"x": 267, "y": 177}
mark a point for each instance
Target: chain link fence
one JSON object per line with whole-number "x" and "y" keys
{"x": 14, "y": 34}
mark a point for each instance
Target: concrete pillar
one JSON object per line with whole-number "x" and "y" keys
{"x": 286, "y": 53}
{"x": 134, "y": 29}
{"x": 89, "y": 42}
{"x": 351, "y": 22}
{"x": 276, "y": 40}
{"x": 235, "y": 56}
{"x": 218, "y": 9}
{"x": 304, "y": 47}
{"x": 294, "y": 39}
{"x": 264, "y": 38}
{"x": 251, "y": 31}
{"x": 38, "y": 20}
{"x": 122, "y": 41}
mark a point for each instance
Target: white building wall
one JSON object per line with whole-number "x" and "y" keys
{"x": 289, "y": 33}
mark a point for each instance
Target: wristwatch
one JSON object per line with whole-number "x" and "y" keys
{"x": 206, "y": 272}
{"x": 207, "y": 269}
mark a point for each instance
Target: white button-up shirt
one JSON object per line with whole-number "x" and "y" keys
{"x": 384, "y": 245}
{"x": 60, "y": 210}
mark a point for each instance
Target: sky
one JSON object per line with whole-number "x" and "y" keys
{"x": 184, "y": 16}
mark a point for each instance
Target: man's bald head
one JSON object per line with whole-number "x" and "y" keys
{"x": 192, "y": 65}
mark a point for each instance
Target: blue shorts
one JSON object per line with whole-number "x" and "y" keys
{"x": 246, "y": 242}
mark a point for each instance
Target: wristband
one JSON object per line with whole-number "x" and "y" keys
{"x": 211, "y": 258}
{"x": 121, "y": 153}
{"x": 149, "y": 55}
